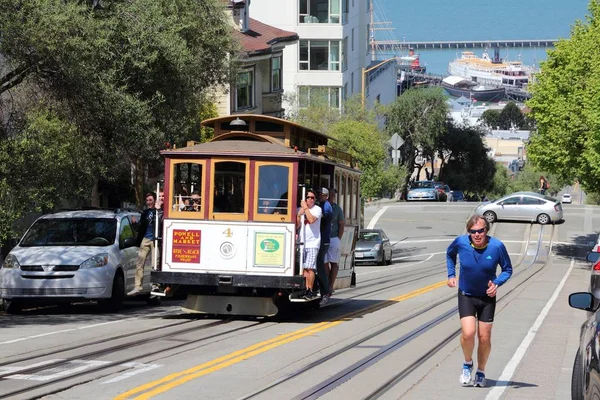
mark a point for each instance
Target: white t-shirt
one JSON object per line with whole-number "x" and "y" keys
{"x": 312, "y": 235}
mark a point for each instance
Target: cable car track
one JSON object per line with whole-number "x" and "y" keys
{"x": 356, "y": 368}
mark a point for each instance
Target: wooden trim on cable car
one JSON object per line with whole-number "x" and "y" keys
{"x": 291, "y": 182}
{"x": 173, "y": 203}
{"x": 229, "y": 216}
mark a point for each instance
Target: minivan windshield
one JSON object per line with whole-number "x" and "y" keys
{"x": 71, "y": 232}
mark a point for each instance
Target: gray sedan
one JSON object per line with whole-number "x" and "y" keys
{"x": 522, "y": 206}
{"x": 373, "y": 246}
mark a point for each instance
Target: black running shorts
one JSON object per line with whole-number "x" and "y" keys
{"x": 480, "y": 307}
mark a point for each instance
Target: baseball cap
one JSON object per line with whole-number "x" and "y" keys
{"x": 324, "y": 191}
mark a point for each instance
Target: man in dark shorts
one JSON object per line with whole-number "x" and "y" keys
{"x": 479, "y": 256}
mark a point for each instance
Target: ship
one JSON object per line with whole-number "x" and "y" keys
{"x": 458, "y": 86}
{"x": 491, "y": 72}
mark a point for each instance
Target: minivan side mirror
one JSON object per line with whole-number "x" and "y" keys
{"x": 592, "y": 256}
{"x": 581, "y": 300}
{"x": 129, "y": 242}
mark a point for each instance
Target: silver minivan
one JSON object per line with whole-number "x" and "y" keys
{"x": 73, "y": 256}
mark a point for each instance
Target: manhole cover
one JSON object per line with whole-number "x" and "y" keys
{"x": 423, "y": 227}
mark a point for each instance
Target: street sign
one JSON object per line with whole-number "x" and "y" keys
{"x": 396, "y": 141}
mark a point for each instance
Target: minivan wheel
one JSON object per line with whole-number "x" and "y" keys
{"x": 12, "y": 306}
{"x": 543, "y": 219}
{"x": 490, "y": 216}
{"x": 118, "y": 295}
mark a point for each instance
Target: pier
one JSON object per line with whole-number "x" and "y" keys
{"x": 393, "y": 45}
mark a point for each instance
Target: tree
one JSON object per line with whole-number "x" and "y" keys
{"x": 363, "y": 141}
{"x": 419, "y": 117}
{"x": 128, "y": 76}
{"x": 511, "y": 117}
{"x": 565, "y": 106}
{"x": 490, "y": 118}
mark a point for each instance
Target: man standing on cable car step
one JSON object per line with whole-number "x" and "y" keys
{"x": 310, "y": 234}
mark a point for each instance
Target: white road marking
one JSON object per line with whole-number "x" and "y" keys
{"x": 504, "y": 379}
{"x": 9, "y": 370}
{"x": 82, "y": 327}
{"x": 137, "y": 368}
{"x": 70, "y": 368}
{"x": 376, "y": 217}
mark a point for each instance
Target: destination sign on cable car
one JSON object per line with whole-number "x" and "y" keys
{"x": 186, "y": 246}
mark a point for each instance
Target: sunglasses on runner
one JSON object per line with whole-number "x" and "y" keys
{"x": 310, "y": 197}
{"x": 474, "y": 231}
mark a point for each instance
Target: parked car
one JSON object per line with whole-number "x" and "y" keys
{"x": 585, "y": 380}
{"x": 566, "y": 198}
{"x": 373, "y": 246}
{"x": 422, "y": 190}
{"x": 594, "y": 287}
{"x": 456, "y": 195}
{"x": 73, "y": 256}
{"x": 522, "y": 206}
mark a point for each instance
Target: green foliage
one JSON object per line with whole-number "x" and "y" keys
{"x": 127, "y": 76}
{"x": 511, "y": 116}
{"x": 565, "y": 106}
{"x": 207, "y": 110}
{"x": 490, "y": 118}
{"x": 364, "y": 142}
{"x": 593, "y": 199}
{"x": 502, "y": 181}
{"x": 48, "y": 162}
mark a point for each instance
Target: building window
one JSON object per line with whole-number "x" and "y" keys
{"x": 276, "y": 73}
{"x": 319, "y": 11}
{"x": 352, "y": 40}
{"x": 244, "y": 97}
{"x": 352, "y": 83}
{"x": 320, "y": 55}
{"x": 319, "y": 96}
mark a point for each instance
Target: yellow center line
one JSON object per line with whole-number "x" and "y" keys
{"x": 179, "y": 378}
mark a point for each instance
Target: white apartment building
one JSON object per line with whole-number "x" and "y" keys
{"x": 332, "y": 49}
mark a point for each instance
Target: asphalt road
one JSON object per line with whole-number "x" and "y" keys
{"x": 392, "y": 336}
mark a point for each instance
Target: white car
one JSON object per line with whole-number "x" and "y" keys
{"x": 566, "y": 198}
{"x": 73, "y": 256}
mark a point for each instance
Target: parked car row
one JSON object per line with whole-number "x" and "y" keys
{"x": 433, "y": 191}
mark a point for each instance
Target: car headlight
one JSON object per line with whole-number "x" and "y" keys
{"x": 377, "y": 247}
{"x": 100, "y": 260}
{"x": 11, "y": 262}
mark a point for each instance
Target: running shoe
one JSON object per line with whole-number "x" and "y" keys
{"x": 479, "y": 379}
{"x": 465, "y": 376}
{"x": 324, "y": 300}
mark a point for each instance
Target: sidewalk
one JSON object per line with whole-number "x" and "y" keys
{"x": 542, "y": 369}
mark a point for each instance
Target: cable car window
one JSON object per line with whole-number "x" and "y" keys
{"x": 230, "y": 183}
{"x": 187, "y": 184}
{"x": 273, "y": 196}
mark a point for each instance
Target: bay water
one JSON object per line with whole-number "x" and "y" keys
{"x": 446, "y": 20}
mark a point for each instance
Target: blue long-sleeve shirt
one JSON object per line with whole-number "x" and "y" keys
{"x": 478, "y": 267}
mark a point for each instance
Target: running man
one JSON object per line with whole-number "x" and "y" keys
{"x": 479, "y": 256}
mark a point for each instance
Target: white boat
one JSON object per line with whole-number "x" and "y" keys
{"x": 491, "y": 72}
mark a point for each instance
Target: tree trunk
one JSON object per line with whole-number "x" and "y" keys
{"x": 95, "y": 197}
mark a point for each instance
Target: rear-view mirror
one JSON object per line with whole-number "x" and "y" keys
{"x": 592, "y": 256}
{"x": 129, "y": 242}
{"x": 581, "y": 300}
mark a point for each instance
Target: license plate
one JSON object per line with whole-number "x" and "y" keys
{"x": 359, "y": 255}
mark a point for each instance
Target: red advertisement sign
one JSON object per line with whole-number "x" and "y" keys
{"x": 186, "y": 246}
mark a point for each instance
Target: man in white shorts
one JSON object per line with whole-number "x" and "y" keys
{"x": 332, "y": 258}
{"x": 310, "y": 234}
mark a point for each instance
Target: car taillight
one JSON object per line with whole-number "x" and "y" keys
{"x": 596, "y": 268}
{"x": 557, "y": 207}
